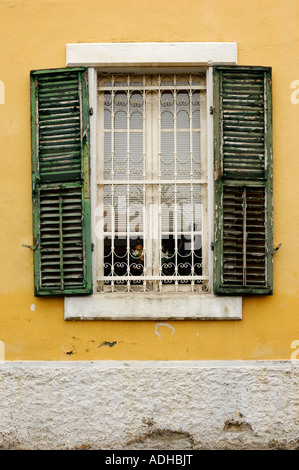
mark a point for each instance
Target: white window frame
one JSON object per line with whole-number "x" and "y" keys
{"x": 153, "y": 183}
{"x": 141, "y": 58}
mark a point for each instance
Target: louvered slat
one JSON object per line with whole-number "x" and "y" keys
{"x": 61, "y": 231}
{"x": 59, "y": 108}
{"x": 244, "y": 241}
{"x": 60, "y": 169}
{"x": 243, "y": 125}
{"x": 243, "y": 180}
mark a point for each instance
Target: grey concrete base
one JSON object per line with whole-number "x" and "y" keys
{"x": 149, "y": 405}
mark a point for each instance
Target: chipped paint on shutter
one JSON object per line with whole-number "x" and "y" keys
{"x": 60, "y": 169}
{"x": 59, "y": 149}
{"x": 243, "y": 180}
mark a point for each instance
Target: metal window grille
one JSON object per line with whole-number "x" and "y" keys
{"x": 152, "y": 183}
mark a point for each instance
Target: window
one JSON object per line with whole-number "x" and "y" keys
{"x": 160, "y": 138}
{"x": 152, "y": 183}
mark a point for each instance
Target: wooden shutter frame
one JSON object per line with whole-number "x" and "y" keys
{"x": 82, "y": 182}
{"x": 220, "y": 180}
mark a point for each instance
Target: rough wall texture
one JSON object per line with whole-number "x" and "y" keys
{"x": 147, "y": 405}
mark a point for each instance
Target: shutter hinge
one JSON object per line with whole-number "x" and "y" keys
{"x": 35, "y": 183}
{"x": 213, "y": 244}
{"x": 33, "y": 247}
{"x": 92, "y": 247}
{"x": 91, "y": 111}
{"x": 212, "y": 109}
{"x": 276, "y": 249}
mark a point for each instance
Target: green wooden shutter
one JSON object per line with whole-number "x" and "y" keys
{"x": 243, "y": 180}
{"x": 60, "y": 179}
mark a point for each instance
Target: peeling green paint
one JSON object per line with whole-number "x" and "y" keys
{"x": 60, "y": 171}
{"x": 243, "y": 179}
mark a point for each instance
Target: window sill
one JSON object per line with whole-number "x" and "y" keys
{"x": 174, "y": 306}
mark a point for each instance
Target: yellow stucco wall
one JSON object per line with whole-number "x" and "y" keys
{"x": 33, "y": 35}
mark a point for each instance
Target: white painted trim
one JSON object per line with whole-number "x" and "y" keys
{"x": 136, "y": 55}
{"x": 92, "y": 86}
{"x": 143, "y": 306}
{"x": 151, "y": 54}
{"x": 210, "y": 170}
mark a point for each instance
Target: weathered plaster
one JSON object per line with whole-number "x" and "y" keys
{"x": 149, "y": 405}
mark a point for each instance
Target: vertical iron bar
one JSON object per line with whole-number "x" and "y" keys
{"x": 145, "y": 257}
{"x": 128, "y": 185}
{"x": 112, "y": 178}
{"x": 159, "y": 186}
{"x": 175, "y": 178}
{"x": 191, "y": 181}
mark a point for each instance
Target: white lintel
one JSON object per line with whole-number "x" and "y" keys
{"x": 151, "y": 54}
